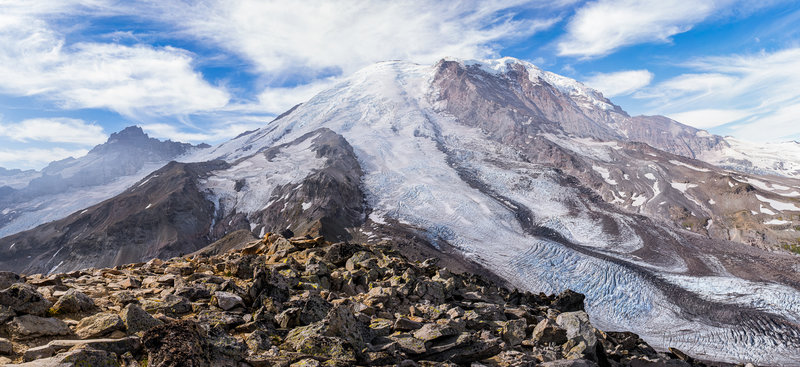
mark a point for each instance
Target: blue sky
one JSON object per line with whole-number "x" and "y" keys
{"x": 74, "y": 71}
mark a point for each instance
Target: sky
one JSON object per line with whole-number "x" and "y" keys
{"x": 74, "y": 71}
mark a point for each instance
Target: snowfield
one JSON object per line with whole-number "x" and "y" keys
{"x": 425, "y": 169}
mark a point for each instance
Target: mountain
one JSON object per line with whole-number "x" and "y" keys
{"x": 64, "y": 186}
{"x": 494, "y": 165}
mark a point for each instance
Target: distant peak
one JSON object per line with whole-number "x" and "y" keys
{"x": 129, "y": 132}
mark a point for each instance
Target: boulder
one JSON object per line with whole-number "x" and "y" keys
{"x": 75, "y": 358}
{"x": 39, "y": 352}
{"x": 74, "y": 302}
{"x": 99, "y": 325}
{"x": 8, "y": 278}
{"x": 193, "y": 293}
{"x": 24, "y": 299}
{"x": 5, "y": 346}
{"x": 136, "y": 319}
{"x": 29, "y": 326}
{"x": 581, "y": 337}
{"x": 118, "y": 346}
{"x": 569, "y": 363}
{"x": 338, "y": 336}
{"x": 179, "y": 343}
{"x": 568, "y": 301}
{"x": 430, "y": 332}
{"x": 227, "y": 300}
{"x": 514, "y": 331}
{"x": 175, "y": 305}
{"x": 547, "y": 332}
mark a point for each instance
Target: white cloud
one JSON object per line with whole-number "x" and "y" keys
{"x": 600, "y": 27}
{"x": 221, "y": 131}
{"x": 54, "y": 130}
{"x": 36, "y": 158}
{"x": 328, "y": 37}
{"x": 620, "y": 83}
{"x": 278, "y": 100}
{"x": 756, "y": 95}
{"x": 132, "y": 80}
{"x": 708, "y": 118}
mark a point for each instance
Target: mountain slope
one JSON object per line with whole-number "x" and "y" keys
{"x": 71, "y": 184}
{"x": 171, "y": 211}
{"x": 533, "y": 177}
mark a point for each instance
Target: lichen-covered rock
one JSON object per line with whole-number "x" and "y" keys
{"x": 514, "y": 331}
{"x": 547, "y": 332}
{"x": 136, "y": 319}
{"x": 302, "y": 301}
{"x": 24, "y": 299}
{"x": 8, "y": 278}
{"x": 72, "y": 302}
{"x": 5, "y": 346}
{"x": 581, "y": 338}
{"x": 179, "y": 343}
{"x": 40, "y": 352}
{"x": 99, "y": 325}
{"x": 30, "y": 326}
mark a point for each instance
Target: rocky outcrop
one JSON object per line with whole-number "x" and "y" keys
{"x": 304, "y": 301}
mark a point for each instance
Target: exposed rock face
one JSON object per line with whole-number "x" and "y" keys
{"x": 173, "y": 211}
{"x": 332, "y": 323}
{"x": 127, "y": 156}
{"x": 166, "y": 215}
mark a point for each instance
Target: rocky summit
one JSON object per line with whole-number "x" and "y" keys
{"x": 300, "y": 302}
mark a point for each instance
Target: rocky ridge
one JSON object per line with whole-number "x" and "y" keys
{"x": 299, "y": 302}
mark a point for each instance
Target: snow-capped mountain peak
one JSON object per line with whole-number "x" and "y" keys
{"x": 565, "y": 85}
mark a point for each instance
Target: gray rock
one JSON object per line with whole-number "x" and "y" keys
{"x": 136, "y": 319}
{"x": 117, "y": 346}
{"x": 43, "y": 351}
{"x": 6, "y": 313}
{"x": 547, "y": 332}
{"x": 569, "y": 363}
{"x": 24, "y": 299}
{"x": 99, "y": 325}
{"x": 8, "y": 278}
{"x": 430, "y": 332}
{"x": 193, "y": 293}
{"x": 74, "y": 302}
{"x": 175, "y": 305}
{"x": 258, "y": 341}
{"x": 227, "y": 300}
{"x": 29, "y": 326}
{"x": 514, "y": 331}
{"x": 580, "y": 334}
{"x": 5, "y": 346}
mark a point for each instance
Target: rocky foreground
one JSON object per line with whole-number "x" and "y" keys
{"x": 299, "y": 302}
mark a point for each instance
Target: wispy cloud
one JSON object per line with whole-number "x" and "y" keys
{"x": 620, "y": 83}
{"x": 757, "y": 94}
{"x": 35, "y": 60}
{"x": 54, "y": 130}
{"x": 36, "y": 158}
{"x": 601, "y": 27}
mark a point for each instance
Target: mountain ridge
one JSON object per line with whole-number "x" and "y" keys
{"x": 509, "y": 175}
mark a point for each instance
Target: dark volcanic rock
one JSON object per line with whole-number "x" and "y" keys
{"x": 180, "y": 343}
{"x": 24, "y": 299}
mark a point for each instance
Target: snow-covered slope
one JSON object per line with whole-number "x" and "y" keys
{"x": 461, "y": 183}
{"x": 69, "y": 185}
{"x": 764, "y": 159}
{"x": 535, "y": 177}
